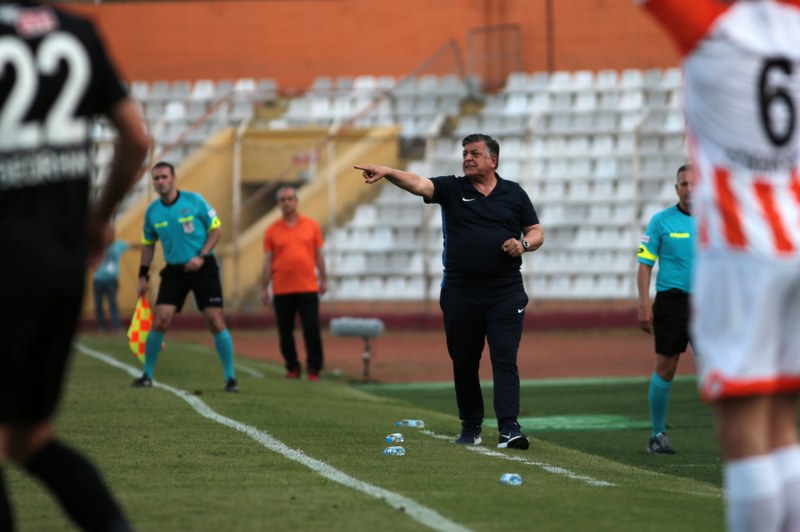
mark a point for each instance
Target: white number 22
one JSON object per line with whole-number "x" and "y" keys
{"x": 61, "y": 125}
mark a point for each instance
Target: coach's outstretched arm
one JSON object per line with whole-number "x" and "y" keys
{"x": 421, "y": 186}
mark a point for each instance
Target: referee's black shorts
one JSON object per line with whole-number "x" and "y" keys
{"x": 671, "y": 322}
{"x": 36, "y": 331}
{"x": 176, "y": 283}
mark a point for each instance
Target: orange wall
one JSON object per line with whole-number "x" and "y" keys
{"x": 294, "y": 41}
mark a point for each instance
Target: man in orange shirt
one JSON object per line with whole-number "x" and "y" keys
{"x": 292, "y": 261}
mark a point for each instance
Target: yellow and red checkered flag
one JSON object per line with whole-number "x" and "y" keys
{"x": 140, "y": 327}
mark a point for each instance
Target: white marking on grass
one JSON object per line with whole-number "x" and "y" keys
{"x": 424, "y": 515}
{"x": 556, "y": 470}
{"x": 250, "y": 371}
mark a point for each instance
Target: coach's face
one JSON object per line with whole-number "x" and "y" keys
{"x": 477, "y": 161}
{"x": 163, "y": 181}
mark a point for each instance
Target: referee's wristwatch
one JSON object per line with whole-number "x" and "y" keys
{"x": 202, "y": 255}
{"x": 525, "y": 244}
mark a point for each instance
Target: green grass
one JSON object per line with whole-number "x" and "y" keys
{"x": 173, "y": 469}
{"x": 690, "y": 421}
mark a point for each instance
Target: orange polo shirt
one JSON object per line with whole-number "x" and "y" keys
{"x": 293, "y": 255}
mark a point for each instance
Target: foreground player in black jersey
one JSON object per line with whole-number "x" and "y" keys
{"x": 54, "y": 77}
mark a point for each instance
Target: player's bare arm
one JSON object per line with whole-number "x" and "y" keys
{"x": 411, "y": 182}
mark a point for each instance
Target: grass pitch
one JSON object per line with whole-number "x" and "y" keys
{"x": 294, "y": 455}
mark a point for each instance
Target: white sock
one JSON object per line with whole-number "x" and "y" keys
{"x": 787, "y": 461}
{"x": 753, "y": 500}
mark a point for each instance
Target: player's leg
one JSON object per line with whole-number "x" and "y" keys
{"x": 6, "y": 514}
{"x": 751, "y": 479}
{"x": 72, "y": 479}
{"x": 32, "y": 368}
{"x": 308, "y": 308}
{"x": 786, "y": 454}
{"x": 285, "y": 306}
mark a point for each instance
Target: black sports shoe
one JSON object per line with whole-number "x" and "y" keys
{"x": 231, "y": 385}
{"x": 469, "y": 436}
{"x": 659, "y": 444}
{"x": 513, "y": 438}
{"x": 142, "y": 382}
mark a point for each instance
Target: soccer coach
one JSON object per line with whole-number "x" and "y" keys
{"x": 488, "y": 223}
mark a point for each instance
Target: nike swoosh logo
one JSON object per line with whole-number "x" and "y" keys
{"x": 467, "y": 199}
{"x": 519, "y": 310}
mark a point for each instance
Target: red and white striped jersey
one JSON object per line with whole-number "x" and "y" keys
{"x": 742, "y": 101}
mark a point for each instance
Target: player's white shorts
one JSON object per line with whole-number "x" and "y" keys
{"x": 745, "y": 326}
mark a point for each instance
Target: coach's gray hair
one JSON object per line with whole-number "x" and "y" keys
{"x": 491, "y": 145}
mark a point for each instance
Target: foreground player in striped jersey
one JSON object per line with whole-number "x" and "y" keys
{"x": 742, "y": 99}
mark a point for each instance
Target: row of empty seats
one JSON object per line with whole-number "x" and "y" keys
{"x": 585, "y": 80}
{"x": 204, "y": 90}
{"x": 596, "y": 152}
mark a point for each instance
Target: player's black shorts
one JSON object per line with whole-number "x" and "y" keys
{"x": 36, "y": 332}
{"x": 204, "y": 283}
{"x": 671, "y": 322}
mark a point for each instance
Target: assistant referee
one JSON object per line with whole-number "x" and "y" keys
{"x": 188, "y": 229}
{"x": 668, "y": 239}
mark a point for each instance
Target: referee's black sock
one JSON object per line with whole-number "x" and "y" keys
{"x": 78, "y": 487}
{"x": 6, "y": 517}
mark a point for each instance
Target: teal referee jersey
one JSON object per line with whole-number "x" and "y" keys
{"x": 670, "y": 239}
{"x": 182, "y": 226}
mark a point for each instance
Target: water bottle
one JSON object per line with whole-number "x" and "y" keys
{"x": 510, "y": 479}
{"x": 394, "y": 450}
{"x": 395, "y": 437}
{"x": 411, "y": 423}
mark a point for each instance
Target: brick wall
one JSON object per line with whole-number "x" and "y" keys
{"x": 296, "y": 40}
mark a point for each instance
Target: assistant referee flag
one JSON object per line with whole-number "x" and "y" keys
{"x": 140, "y": 327}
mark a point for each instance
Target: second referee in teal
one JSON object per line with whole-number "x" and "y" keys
{"x": 188, "y": 229}
{"x": 670, "y": 239}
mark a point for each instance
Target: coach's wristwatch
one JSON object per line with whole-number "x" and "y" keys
{"x": 524, "y": 243}
{"x": 202, "y": 255}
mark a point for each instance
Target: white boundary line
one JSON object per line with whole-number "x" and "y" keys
{"x": 556, "y": 470}
{"x": 250, "y": 371}
{"x": 424, "y": 515}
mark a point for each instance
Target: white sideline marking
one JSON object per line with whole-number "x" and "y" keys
{"x": 249, "y": 371}
{"x": 556, "y": 470}
{"x": 426, "y": 516}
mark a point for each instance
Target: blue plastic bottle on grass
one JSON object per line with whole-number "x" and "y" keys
{"x": 394, "y": 450}
{"x": 411, "y": 423}
{"x": 395, "y": 437}
{"x": 511, "y": 479}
